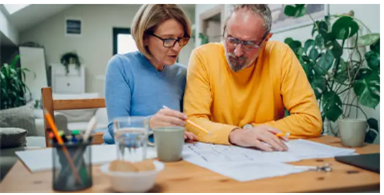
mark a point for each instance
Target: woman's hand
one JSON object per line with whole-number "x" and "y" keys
{"x": 167, "y": 117}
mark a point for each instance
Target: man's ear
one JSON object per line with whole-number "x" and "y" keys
{"x": 268, "y": 36}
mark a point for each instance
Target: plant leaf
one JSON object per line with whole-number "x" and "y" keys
{"x": 376, "y": 46}
{"x": 370, "y": 136}
{"x": 373, "y": 60}
{"x": 15, "y": 60}
{"x": 336, "y": 49}
{"x": 313, "y": 54}
{"x": 326, "y": 60}
{"x": 323, "y": 28}
{"x": 290, "y": 10}
{"x": 368, "y": 88}
{"x": 344, "y": 28}
{"x": 342, "y": 72}
{"x": 332, "y": 105}
{"x": 288, "y": 40}
{"x": 309, "y": 43}
{"x": 319, "y": 41}
{"x": 318, "y": 86}
{"x": 373, "y": 124}
{"x": 369, "y": 39}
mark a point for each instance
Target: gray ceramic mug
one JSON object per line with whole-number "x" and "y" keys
{"x": 352, "y": 132}
{"x": 169, "y": 142}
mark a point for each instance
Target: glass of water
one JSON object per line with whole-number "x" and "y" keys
{"x": 131, "y": 134}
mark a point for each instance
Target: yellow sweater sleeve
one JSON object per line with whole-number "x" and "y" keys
{"x": 197, "y": 104}
{"x": 299, "y": 99}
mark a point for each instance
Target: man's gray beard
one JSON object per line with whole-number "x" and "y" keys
{"x": 237, "y": 68}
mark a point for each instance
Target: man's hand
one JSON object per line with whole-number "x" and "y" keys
{"x": 255, "y": 137}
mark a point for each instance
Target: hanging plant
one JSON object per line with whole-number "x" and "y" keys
{"x": 70, "y": 58}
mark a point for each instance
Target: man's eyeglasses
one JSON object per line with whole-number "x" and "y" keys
{"x": 171, "y": 42}
{"x": 247, "y": 45}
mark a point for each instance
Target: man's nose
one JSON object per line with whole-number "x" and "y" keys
{"x": 238, "y": 50}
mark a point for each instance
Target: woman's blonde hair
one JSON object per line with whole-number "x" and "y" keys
{"x": 150, "y": 16}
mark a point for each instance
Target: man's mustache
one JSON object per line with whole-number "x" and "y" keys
{"x": 236, "y": 58}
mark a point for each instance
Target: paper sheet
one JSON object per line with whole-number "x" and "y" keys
{"x": 41, "y": 160}
{"x": 245, "y": 164}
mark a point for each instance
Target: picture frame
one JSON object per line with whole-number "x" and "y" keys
{"x": 281, "y": 22}
{"x": 73, "y": 27}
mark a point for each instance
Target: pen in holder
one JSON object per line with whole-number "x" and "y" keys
{"x": 64, "y": 177}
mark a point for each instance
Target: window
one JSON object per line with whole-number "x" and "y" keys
{"x": 123, "y": 41}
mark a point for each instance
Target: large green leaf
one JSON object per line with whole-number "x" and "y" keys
{"x": 323, "y": 28}
{"x": 344, "y": 28}
{"x": 318, "y": 86}
{"x": 313, "y": 54}
{"x": 373, "y": 60}
{"x": 319, "y": 41}
{"x": 369, "y": 39}
{"x": 308, "y": 44}
{"x": 332, "y": 105}
{"x": 298, "y": 10}
{"x": 290, "y": 10}
{"x": 368, "y": 88}
{"x": 376, "y": 46}
{"x": 326, "y": 60}
{"x": 337, "y": 50}
{"x": 288, "y": 40}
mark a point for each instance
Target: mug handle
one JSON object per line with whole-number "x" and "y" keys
{"x": 149, "y": 143}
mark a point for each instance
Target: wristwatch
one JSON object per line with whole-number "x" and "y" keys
{"x": 247, "y": 126}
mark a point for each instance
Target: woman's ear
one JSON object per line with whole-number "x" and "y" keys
{"x": 146, "y": 40}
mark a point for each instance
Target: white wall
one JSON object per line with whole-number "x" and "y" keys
{"x": 95, "y": 45}
{"x": 8, "y": 29}
{"x": 368, "y": 14}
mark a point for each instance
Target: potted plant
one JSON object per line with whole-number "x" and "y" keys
{"x": 204, "y": 39}
{"x": 70, "y": 58}
{"x": 13, "y": 88}
{"x": 342, "y": 65}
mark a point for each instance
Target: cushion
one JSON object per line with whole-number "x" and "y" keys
{"x": 82, "y": 115}
{"x": 21, "y": 117}
{"x": 12, "y": 137}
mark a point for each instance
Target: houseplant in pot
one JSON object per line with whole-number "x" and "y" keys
{"x": 70, "y": 58}
{"x": 13, "y": 88}
{"x": 342, "y": 65}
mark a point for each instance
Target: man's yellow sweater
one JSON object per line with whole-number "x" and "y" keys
{"x": 221, "y": 100}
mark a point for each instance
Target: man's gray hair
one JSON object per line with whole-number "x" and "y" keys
{"x": 259, "y": 9}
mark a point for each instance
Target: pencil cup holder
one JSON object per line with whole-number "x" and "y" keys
{"x": 72, "y": 166}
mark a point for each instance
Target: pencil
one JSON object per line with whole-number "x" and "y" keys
{"x": 194, "y": 124}
{"x": 282, "y": 134}
{"x": 197, "y": 126}
{"x": 60, "y": 140}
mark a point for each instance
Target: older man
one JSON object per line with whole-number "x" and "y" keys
{"x": 238, "y": 89}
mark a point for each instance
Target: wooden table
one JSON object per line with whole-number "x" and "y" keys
{"x": 186, "y": 177}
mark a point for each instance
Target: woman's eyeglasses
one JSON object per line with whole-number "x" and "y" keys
{"x": 171, "y": 42}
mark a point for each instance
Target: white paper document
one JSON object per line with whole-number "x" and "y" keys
{"x": 41, "y": 159}
{"x": 245, "y": 164}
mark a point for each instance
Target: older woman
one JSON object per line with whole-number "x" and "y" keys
{"x": 141, "y": 83}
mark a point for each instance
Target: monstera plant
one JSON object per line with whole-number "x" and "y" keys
{"x": 342, "y": 65}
